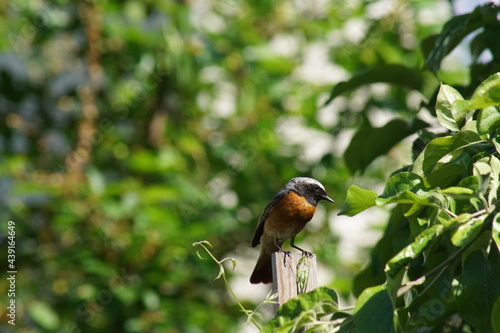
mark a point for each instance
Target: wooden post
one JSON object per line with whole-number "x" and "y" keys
{"x": 285, "y": 275}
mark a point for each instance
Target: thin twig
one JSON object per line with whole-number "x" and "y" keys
{"x": 222, "y": 273}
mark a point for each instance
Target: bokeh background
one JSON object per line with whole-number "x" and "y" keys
{"x": 131, "y": 129}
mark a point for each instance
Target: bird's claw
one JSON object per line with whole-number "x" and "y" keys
{"x": 286, "y": 254}
{"x": 307, "y": 254}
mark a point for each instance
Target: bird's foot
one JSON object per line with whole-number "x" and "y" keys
{"x": 307, "y": 254}
{"x": 286, "y": 254}
{"x": 304, "y": 252}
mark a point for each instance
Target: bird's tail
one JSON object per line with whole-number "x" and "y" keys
{"x": 263, "y": 271}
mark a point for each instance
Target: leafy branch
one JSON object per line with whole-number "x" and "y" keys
{"x": 449, "y": 196}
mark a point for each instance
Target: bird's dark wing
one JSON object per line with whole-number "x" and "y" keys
{"x": 265, "y": 214}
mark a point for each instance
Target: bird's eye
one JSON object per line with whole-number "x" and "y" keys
{"x": 316, "y": 187}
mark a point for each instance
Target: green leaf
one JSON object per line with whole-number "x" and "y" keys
{"x": 403, "y": 181}
{"x": 487, "y": 94}
{"x": 394, "y": 239}
{"x": 373, "y": 311}
{"x": 495, "y": 316}
{"x": 458, "y": 192}
{"x": 460, "y": 219}
{"x": 431, "y": 154}
{"x": 441, "y": 147}
{"x": 466, "y": 232}
{"x": 481, "y": 168}
{"x": 413, "y": 250}
{"x": 470, "y": 182}
{"x": 488, "y": 120}
{"x": 309, "y": 300}
{"x": 303, "y": 309}
{"x": 491, "y": 33}
{"x": 452, "y": 34}
{"x": 496, "y": 230}
{"x": 44, "y": 315}
{"x": 393, "y": 74}
{"x": 445, "y": 175}
{"x": 459, "y": 110}
{"x": 427, "y": 45}
{"x": 495, "y": 167}
{"x": 493, "y": 191}
{"x": 404, "y": 187}
{"x": 357, "y": 200}
{"x": 446, "y": 97}
{"x": 369, "y": 143}
{"x": 478, "y": 290}
{"x": 405, "y": 197}
{"x": 496, "y": 143}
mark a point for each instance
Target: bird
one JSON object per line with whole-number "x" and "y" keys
{"x": 283, "y": 218}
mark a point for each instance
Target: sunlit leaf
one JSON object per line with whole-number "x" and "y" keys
{"x": 496, "y": 230}
{"x": 459, "y": 220}
{"x": 466, "y": 232}
{"x": 440, "y": 147}
{"x": 446, "y": 97}
{"x": 357, "y": 200}
{"x": 482, "y": 168}
{"x": 488, "y": 120}
{"x": 458, "y": 192}
{"x": 403, "y": 181}
{"x": 304, "y": 308}
{"x": 308, "y": 300}
{"x": 406, "y": 197}
{"x": 487, "y": 94}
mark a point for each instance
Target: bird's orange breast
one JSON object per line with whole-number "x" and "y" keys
{"x": 289, "y": 216}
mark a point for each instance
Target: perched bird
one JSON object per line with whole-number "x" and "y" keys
{"x": 283, "y": 218}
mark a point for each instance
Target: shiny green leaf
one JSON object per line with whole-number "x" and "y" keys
{"x": 357, "y": 200}
{"x": 488, "y": 120}
{"x": 458, "y": 192}
{"x": 487, "y": 94}
{"x": 402, "y": 181}
{"x": 446, "y": 97}
{"x": 466, "y": 232}
{"x": 303, "y": 309}
{"x": 308, "y": 300}
{"x": 439, "y": 148}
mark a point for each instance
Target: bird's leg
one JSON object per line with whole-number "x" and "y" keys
{"x": 304, "y": 252}
{"x": 280, "y": 249}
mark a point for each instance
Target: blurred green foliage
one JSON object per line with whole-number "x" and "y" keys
{"x": 132, "y": 129}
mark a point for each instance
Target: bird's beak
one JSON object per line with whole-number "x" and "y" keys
{"x": 327, "y": 198}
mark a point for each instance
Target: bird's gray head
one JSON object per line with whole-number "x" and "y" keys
{"x": 309, "y": 188}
